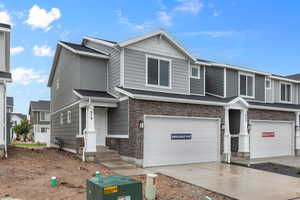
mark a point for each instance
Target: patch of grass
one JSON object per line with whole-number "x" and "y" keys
{"x": 29, "y": 145}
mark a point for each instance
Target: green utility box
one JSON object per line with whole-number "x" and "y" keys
{"x": 114, "y": 188}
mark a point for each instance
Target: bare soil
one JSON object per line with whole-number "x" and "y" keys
{"x": 27, "y": 173}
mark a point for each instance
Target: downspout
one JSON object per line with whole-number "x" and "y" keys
{"x": 84, "y": 134}
{"x": 5, "y": 121}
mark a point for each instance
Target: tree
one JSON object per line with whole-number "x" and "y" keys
{"x": 23, "y": 129}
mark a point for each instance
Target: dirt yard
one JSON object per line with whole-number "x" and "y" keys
{"x": 26, "y": 175}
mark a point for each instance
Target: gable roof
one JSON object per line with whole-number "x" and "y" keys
{"x": 10, "y": 101}
{"x": 40, "y": 105}
{"x": 20, "y": 115}
{"x": 294, "y": 77}
{"x": 83, "y": 93}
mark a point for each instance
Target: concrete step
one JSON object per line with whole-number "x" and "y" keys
{"x": 118, "y": 164}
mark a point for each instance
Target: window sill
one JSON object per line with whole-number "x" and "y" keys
{"x": 249, "y": 97}
{"x": 157, "y": 86}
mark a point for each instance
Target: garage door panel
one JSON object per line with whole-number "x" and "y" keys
{"x": 280, "y": 144}
{"x": 159, "y": 149}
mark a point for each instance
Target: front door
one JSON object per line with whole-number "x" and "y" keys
{"x": 100, "y": 125}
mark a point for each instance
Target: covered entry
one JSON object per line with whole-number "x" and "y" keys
{"x": 170, "y": 140}
{"x": 271, "y": 138}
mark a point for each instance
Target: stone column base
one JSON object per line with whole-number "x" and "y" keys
{"x": 297, "y": 152}
{"x": 245, "y": 155}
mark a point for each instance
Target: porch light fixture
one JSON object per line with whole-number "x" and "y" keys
{"x": 249, "y": 126}
{"x": 141, "y": 124}
{"x": 223, "y": 125}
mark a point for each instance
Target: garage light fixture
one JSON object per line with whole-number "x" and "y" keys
{"x": 141, "y": 124}
{"x": 249, "y": 126}
{"x": 223, "y": 125}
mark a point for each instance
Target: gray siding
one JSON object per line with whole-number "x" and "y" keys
{"x": 276, "y": 91}
{"x": 232, "y": 82}
{"x": 215, "y": 80}
{"x": 35, "y": 118}
{"x": 113, "y": 64}
{"x": 66, "y": 131}
{"x": 93, "y": 75}
{"x": 197, "y": 85}
{"x": 135, "y": 72}
{"x": 4, "y": 51}
{"x": 259, "y": 87}
{"x": 118, "y": 119}
{"x": 68, "y": 72}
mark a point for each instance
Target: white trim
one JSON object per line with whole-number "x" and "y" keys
{"x": 122, "y": 67}
{"x": 72, "y": 104}
{"x": 61, "y": 118}
{"x": 268, "y": 79}
{"x": 40, "y": 113}
{"x": 189, "y": 80}
{"x": 105, "y": 99}
{"x": 5, "y": 29}
{"x": 232, "y": 102}
{"x": 199, "y": 72}
{"x": 82, "y": 52}
{"x": 149, "y": 35}
{"x": 69, "y": 116}
{"x": 124, "y": 92}
{"x": 109, "y": 44}
{"x": 215, "y": 95}
{"x": 80, "y": 121}
{"x": 225, "y": 82}
{"x": 118, "y": 136}
{"x": 124, "y": 98}
{"x": 204, "y": 80}
{"x": 291, "y": 92}
{"x": 284, "y": 79}
{"x": 253, "y": 84}
{"x": 170, "y": 71}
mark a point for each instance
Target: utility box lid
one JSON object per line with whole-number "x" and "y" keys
{"x": 113, "y": 180}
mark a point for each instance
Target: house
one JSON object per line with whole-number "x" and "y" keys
{"x": 39, "y": 113}
{"x": 9, "y": 110}
{"x": 15, "y": 119}
{"x": 5, "y": 77}
{"x": 156, "y": 104}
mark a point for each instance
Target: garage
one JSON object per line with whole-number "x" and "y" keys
{"x": 271, "y": 138}
{"x": 180, "y": 140}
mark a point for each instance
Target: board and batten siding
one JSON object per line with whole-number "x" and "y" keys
{"x": 232, "y": 82}
{"x": 260, "y": 87}
{"x": 269, "y": 93}
{"x": 197, "y": 85}
{"x": 113, "y": 64}
{"x": 135, "y": 72}
{"x": 118, "y": 119}
{"x": 215, "y": 80}
{"x": 66, "y": 131}
{"x": 276, "y": 91}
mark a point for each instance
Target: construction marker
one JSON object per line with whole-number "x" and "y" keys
{"x": 208, "y": 198}
{"x": 97, "y": 174}
{"x": 53, "y": 181}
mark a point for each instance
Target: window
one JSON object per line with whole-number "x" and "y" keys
{"x": 61, "y": 118}
{"x": 57, "y": 83}
{"x": 44, "y": 116}
{"x": 69, "y": 117}
{"x": 195, "y": 72}
{"x": 44, "y": 130}
{"x": 247, "y": 85}
{"x": 285, "y": 92}
{"x": 158, "y": 72}
{"x": 268, "y": 84}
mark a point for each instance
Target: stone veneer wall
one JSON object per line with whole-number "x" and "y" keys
{"x": 133, "y": 147}
{"x": 257, "y": 114}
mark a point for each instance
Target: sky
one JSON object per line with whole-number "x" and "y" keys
{"x": 262, "y": 35}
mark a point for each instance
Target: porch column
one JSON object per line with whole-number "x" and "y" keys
{"x": 90, "y": 137}
{"x": 297, "y": 134}
{"x": 227, "y": 138}
{"x": 244, "y": 136}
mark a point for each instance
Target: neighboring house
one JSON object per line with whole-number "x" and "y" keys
{"x": 9, "y": 110}
{"x": 5, "y": 77}
{"x": 15, "y": 119}
{"x": 39, "y": 112}
{"x": 156, "y": 104}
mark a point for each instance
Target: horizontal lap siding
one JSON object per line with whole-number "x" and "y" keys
{"x": 215, "y": 80}
{"x": 118, "y": 119}
{"x": 276, "y": 91}
{"x": 135, "y": 72}
{"x": 197, "y": 85}
{"x": 66, "y": 131}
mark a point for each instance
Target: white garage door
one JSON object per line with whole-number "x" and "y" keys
{"x": 179, "y": 140}
{"x": 271, "y": 138}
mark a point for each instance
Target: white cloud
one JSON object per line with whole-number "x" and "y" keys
{"x": 40, "y": 18}
{"x": 164, "y": 18}
{"x": 5, "y": 17}
{"x": 16, "y": 50}
{"x": 192, "y": 6}
{"x": 134, "y": 26}
{"x": 216, "y": 13}
{"x": 161, "y": 4}
{"x": 26, "y": 76}
{"x": 43, "y": 50}
{"x": 213, "y": 34}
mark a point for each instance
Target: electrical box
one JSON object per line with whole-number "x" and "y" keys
{"x": 114, "y": 188}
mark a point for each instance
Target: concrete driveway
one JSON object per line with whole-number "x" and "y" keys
{"x": 291, "y": 161}
{"x": 235, "y": 181}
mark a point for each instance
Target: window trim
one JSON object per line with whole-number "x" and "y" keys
{"x": 69, "y": 116}
{"x": 268, "y": 88}
{"x": 291, "y": 93}
{"x": 253, "y": 84}
{"x": 61, "y": 118}
{"x": 57, "y": 84}
{"x": 199, "y": 72}
{"x": 170, "y": 72}
{"x": 45, "y": 116}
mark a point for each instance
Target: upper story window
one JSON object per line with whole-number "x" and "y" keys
{"x": 44, "y": 116}
{"x": 69, "y": 117}
{"x": 268, "y": 84}
{"x": 285, "y": 92}
{"x": 158, "y": 72}
{"x": 195, "y": 72}
{"x": 247, "y": 85}
{"x": 61, "y": 118}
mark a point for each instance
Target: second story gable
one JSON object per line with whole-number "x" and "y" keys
{"x": 39, "y": 112}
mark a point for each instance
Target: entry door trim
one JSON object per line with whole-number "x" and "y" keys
{"x": 186, "y": 117}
